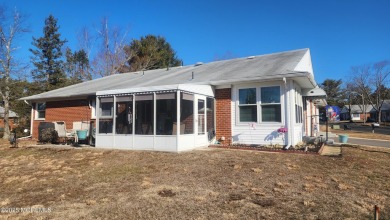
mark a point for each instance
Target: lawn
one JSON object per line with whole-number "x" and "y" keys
{"x": 88, "y": 183}
{"x": 357, "y": 134}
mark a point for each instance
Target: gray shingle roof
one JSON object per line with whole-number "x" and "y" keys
{"x": 269, "y": 66}
{"x": 12, "y": 114}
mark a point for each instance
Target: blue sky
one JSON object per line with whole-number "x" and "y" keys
{"x": 339, "y": 33}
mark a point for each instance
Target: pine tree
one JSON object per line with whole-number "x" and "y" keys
{"x": 150, "y": 52}
{"x": 47, "y": 57}
{"x": 77, "y": 66}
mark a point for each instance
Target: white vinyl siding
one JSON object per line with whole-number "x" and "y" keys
{"x": 259, "y": 131}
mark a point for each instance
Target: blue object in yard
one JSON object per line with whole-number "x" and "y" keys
{"x": 82, "y": 134}
{"x": 343, "y": 138}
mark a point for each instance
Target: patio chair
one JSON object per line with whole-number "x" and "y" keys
{"x": 81, "y": 129}
{"x": 63, "y": 133}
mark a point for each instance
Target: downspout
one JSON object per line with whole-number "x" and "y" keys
{"x": 31, "y": 117}
{"x": 289, "y": 120}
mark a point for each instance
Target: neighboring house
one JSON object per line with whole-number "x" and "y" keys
{"x": 385, "y": 112}
{"x": 244, "y": 100}
{"x": 356, "y": 113}
{"x": 13, "y": 119}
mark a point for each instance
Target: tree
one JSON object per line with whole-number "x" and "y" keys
{"x": 333, "y": 91}
{"x": 47, "y": 57}
{"x": 20, "y": 88}
{"x": 77, "y": 66}
{"x": 373, "y": 82}
{"x": 110, "y": 57}
{"x": 150, "y": 52}
{"x": 12, "y": 26}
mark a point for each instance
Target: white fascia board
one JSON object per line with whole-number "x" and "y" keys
{"x": 198, "y": 89}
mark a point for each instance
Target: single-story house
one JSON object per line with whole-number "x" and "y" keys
{"x": 370, "y": 113}
{"x": 385, "y": 112}
{"x": 244, "y": 100}
{"x": 357, "y": 112}
{"x": 13, "y": 119}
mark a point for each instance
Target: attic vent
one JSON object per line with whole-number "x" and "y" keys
{"x": 250, "y": 57}
{"x": 198, "y": 63}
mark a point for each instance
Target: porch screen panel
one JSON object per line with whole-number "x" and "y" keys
{"x": 201, "y": 116}
{"x": 166, "y": 113}
{"x": 210, "y": 118}
{"x": 144, "y": 116}
{"x": 186, "y": 114}
{"x": 124, "y": 115}
{"x": 270, "y": 104}
{"x": 106, "y": 109}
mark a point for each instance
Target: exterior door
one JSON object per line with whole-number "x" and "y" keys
{"x": 201, "y": 116}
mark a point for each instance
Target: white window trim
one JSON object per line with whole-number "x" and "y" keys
{"x": 258, "y": 87}
{"x": 239, "y": 105}
{"x": 37, "y": 112}
{"x": 261, "y": 104}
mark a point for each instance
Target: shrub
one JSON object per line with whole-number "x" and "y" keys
{"x": 49, "y": 135}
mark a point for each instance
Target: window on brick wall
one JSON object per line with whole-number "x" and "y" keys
{"x": 247, "y": 105}
{"x": 40, "y": 110}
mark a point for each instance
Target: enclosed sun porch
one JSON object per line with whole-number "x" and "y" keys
{"x": 164, "y": 118}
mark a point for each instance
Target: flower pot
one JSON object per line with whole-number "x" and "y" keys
{"x": 343, "y": 138}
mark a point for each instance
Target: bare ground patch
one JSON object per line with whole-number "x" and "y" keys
{"x": 228, "y": 184}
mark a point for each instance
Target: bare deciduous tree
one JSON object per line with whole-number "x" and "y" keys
{"x": 12, "y": 26}
{"x": 372, "y": 81}
{"x": 110, "y": 56}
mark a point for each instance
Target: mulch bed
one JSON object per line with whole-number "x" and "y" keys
{"x": 311, "y": 151}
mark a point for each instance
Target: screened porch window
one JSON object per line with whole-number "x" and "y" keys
{"x": 124, "y": 115}
{"x": 166, "y": 105}
{"x": 247, "y": 105}
{"x": 144, "y": 115}
{"x": 186, "y": 114}
{"x": 270, "y": 104}
{"x": 106, "y": 110}
{"x": 201, "y": 116}
{"x": 210, "y": 118}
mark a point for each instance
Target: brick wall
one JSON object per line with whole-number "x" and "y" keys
{"x": 12, "y": 124}
{"x": 223, "y": 98}
{"x": 68, "y": 111}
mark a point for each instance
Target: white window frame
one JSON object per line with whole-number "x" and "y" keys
{"x": 243, "y": 105}
{"x": 261, "y": 104}
{"x": 258, "y": 103}
{"x": 355, "y": 115}
{"x": 37, "y": 111}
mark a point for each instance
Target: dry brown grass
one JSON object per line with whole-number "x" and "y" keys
{"x": 203, "y": 184}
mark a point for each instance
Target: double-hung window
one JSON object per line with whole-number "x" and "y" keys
{"x": 247, "y": 105}
{"x": 270, "y": 104}
{"x": 40, "y": 110}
